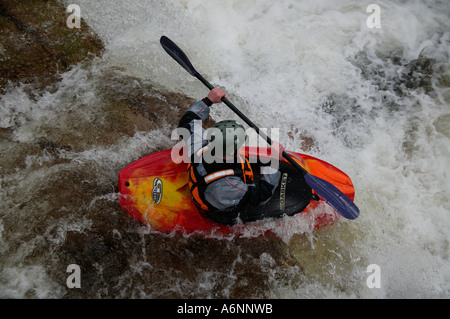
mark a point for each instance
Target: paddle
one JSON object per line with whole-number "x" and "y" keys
{"x": 333, "y": 196}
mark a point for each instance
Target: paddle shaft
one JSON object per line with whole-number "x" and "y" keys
{"x": 250, "y": 123}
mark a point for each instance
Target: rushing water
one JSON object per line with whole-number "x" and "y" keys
{"x": 373, "y": 102}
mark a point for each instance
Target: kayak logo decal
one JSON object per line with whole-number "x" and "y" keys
{"x": 283, "y": 191}
{"x": 157, "y": 190}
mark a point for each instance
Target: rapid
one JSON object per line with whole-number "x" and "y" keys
{"x": 373, "y": 102}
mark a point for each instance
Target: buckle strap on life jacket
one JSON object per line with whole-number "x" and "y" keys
{"x": 212, "y": 177}
{"x": 198, "y": 182}
{"x": 227, "y": 172}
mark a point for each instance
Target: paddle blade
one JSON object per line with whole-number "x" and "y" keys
{"x": 177, "y": 54}
{"x": 333, "y": 196}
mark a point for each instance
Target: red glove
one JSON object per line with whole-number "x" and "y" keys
{"x": 216, "y": 95}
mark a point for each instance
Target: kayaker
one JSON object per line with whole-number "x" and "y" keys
{"x": 220, "y": 176}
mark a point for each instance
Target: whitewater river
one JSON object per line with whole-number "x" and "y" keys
{"x": 372, "y": 101}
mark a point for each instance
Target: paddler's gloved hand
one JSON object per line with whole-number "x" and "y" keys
{"x": 214, "y": 96}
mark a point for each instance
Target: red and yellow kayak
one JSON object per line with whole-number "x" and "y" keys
{"x": 154, "y": 190}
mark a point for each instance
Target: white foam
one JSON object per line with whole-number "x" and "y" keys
{"x": 28, "y": 282}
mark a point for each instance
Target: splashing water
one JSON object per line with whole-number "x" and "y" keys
{"x": 373, "y": 102}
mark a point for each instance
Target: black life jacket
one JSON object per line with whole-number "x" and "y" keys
{"x": 213, "y": 172}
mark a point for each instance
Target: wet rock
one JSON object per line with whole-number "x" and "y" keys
{"x": 36, "y": 45}
{"x": 134, "y": 104}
